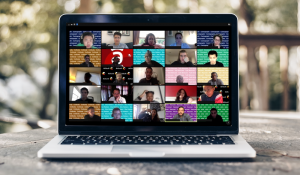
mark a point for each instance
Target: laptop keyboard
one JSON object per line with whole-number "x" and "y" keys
{"x": 147, "y": 140}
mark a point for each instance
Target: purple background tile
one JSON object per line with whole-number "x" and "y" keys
{"x": 172, "y": 109}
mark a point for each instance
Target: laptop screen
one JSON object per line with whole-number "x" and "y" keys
{"x": 148, "y": 74}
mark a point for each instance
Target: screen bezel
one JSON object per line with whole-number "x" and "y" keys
{"x": 148, "y": 18}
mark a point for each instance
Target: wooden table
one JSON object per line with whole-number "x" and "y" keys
{"x": 275, "y": 137}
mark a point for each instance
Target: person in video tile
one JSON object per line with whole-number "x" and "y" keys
{"x": 87, "y": 39}
{"x": 213, "y": 56}
{"x": 211, "y": 95}
{"x": 149, "y": 79}
{"x": 183, "y": 97}
{"x": 91, "y": 115}
{"x": 151, "y": 41}
{"x": 217, "y": 41}
{"x": 119, "y": 79}
{"x": 153, "y": 117}
{"x": 214, "y": 79}
{"x": 84, "y": 93}
{"x": 149, "y": 97}
{"x": 178, "y": 39}
{"x": 183, "y": 60}
{"x": 117, "y": 97}
{"x": 116, "y": 62}
{"x": 87, "y": 62}
{"x": 148, "y": 60}
{"x": 179, "y": 79}
{"x": 214, "y": 117}
{"x": 116, "y": 113}
{"x": 87, "y": 77}
{"x": 182, "y": 116}
{"x": 117, "y": 39}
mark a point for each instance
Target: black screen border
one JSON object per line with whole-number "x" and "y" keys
{"x": 209, "y": 19}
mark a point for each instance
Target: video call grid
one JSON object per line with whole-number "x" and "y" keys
{"x": 158, "y": 52}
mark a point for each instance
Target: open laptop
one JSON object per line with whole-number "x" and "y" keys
{"x": 148, "y": 86}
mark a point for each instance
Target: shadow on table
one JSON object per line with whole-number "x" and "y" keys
{"x": 165, "y": 160}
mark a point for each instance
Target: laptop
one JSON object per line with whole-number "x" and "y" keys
{"x": 148, "y": 86}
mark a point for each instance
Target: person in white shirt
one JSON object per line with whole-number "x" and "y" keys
{"x": 117, "y": 97}
{"x": 117, "y": 44}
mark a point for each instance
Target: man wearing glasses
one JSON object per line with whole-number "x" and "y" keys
{"x": 149, "y": 62}
{"x": 117, "y": 97}
{"x": 210, "y": 95}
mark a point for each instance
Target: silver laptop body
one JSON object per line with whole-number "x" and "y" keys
{"x": 199, "y": 137}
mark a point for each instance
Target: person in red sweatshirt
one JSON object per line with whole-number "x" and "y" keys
{"x": 211, "y": 95}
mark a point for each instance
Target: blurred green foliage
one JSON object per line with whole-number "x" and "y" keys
{"x": 29, "y": 43}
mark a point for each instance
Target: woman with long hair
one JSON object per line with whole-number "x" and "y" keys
{"x": 183, "y": 97}
{"x": 151, "y": 41}
{"x": 154, "y": 116}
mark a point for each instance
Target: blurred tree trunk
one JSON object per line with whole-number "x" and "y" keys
{"x": 258, "y": 97}
{"x": 48, "y": 88}
{"x": 244, "y": 92}
{"x": 298, "y": 79}
{"x": 298, "y": 56}
{"x": 257, "y": 71}
{"x": 284, "y": 60}
{"x": 244, "y": 79}
{"x": 264, "y": 75}
{"x": 245, "y": 12}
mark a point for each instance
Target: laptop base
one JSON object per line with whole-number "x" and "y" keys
{"x": 241, "y": 149}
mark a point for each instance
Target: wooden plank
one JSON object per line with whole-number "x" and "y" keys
{"x": 269, "y": 40}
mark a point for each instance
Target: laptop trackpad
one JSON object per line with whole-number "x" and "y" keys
{"x": 146, "y": 151}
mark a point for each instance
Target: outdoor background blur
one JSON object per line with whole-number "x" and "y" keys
{"x": 269, "y": 52}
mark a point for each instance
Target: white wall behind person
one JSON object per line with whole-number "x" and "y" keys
{"x": 94, "y": 91}
{"x": 77, "y": 74}
{"x": 96, "y": 78}
{"x": 172, "y": 55}
{"x": 109, "y": 39}
{"x": 158, "y": 94}
{"x": 189, "y": 37}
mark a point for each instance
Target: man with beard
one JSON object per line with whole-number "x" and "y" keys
{"x": 116, "y": 62}
{"x": 182, "y": 116}
{"x": 214, "y": 79}
{"x": 149, "y": 79}
{"x": 117, "y": 97}
{"x": 119, "y": 79}
{"x": 91, "y": 115}
{"x": 214, "y": 117}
